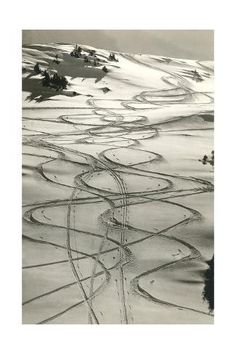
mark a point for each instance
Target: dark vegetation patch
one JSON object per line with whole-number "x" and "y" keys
{"x": 208, "y": 159}
{"x": 208, "y": 291}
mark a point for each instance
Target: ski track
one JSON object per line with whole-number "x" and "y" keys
{"x": 122, "y": 200}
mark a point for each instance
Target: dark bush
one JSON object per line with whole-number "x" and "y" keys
{"x": 112, "y": 57}
{"x": 37, "y": 68}
{"x": 105, "y": 69}
{"x": 208, "y": 291}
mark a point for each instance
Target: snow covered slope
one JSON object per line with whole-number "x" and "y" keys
{"x": 117, "y": 207}
{"x": 156, "y": 80}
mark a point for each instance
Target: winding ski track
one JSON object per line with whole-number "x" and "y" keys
{"x": 121, "y": 199}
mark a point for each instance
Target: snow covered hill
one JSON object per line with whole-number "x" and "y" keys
{"x": 117, "y": 203}
{"x": 161, "y": 80}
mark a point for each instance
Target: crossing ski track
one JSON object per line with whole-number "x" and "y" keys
{"x": 122, "y": 200}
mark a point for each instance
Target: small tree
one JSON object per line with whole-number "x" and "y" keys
{"x": 46, "y": 78}
{"x": 37, "y": 68}
{"x": 105, "y": 69}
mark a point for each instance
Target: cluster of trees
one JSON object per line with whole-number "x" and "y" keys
{"x": 55, "y": 81}
{"x": 208, "y": 159}
{"x": 77, "y": 52}
{"x": 60, "y": 82}
{"x": 90, "y": 58}
{"x": 112, "y": 57}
